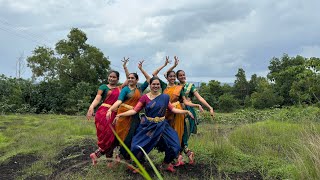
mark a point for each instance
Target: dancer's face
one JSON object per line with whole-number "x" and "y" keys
{"x": 172, "y": 78}
{"x": 155, "y": 85}
{"x": 112, "y": 78}
{"x": 182, "y": 77}
{"x": 132, "y": 80}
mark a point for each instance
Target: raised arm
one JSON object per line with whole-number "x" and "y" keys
{"x": 146, "y": 75}
{"x": 189, "y": 103}
{"x": 176, "y": 62}
{"x": 155, "y": 72}
{"x": 124, "y": 84}
{"x": 94, "y": 103}
{"x": 204, "y": 102}
{"x": 125, "y": 61}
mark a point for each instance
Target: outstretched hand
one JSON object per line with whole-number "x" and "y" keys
{"x": 140, "y": 64}
{"x": 167, "y": 61}
{"x": 115, "y": 120}
{"x": 176, "y": 61}
{"x": 125, "y": 61}
{"x": 108, "y": 115}
{"x": 190, "y": 114}
{"x": 200, "y": 108}
{"x": 212, "y": 113}
{"x": 89, "y": 113}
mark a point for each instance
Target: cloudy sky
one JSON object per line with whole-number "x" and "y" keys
{"x": 212, "y": 38}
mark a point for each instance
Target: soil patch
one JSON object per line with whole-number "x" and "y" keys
{"x": 245, "y": 175}
{"x": 197, "y": 171}
{"x": 13, "y": 167}
{"x": 74, "y": 159}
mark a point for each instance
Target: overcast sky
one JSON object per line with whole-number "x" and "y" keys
{"x": 212, "y": 38}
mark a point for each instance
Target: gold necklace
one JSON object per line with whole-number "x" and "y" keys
{"x": 154, "y": 96}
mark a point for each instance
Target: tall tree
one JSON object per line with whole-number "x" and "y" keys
{"x": 73, "y": 61}
{"x": 284, "y": 72}
{"x": 241, "y": 86}
{"x": 253, "y": 83}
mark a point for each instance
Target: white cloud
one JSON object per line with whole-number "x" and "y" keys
{"x": 211, "y": 38}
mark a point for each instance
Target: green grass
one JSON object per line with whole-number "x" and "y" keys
{"x": 274, "y": 143}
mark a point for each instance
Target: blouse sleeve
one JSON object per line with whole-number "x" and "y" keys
{"x": 123, "y": 93}
{"x": 170, "y": 107}
{"x": 144, "y": 86}
{"x": 163, "y": 85}
{"x": 140, "y": 104}
{"x": 193, "y": 88}
{"x": 104, "y": 88}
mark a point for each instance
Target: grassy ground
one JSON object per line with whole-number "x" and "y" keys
{"x": 248, "y": 144}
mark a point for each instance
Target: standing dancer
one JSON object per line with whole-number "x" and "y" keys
{"x": 126, "y": 126}
{"x": 154, "y": 130}
{"x": 177, "y": 95}
{"x": 106, "y": 138}
{"x": 190, "y": 125}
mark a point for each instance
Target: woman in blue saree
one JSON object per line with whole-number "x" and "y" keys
{"x": 154, "y": 130}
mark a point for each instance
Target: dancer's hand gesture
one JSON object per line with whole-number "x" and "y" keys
{"x": 190, "y": 114}
{"x": 200, "y": 108}
{"x": 89, "y": 113}
{"x": 167, "y": 61}
{"x": 212, "y": 112}
{"x": 176, "y": 61}
{"x": 115, "y": 120}
{"x": 140, "y": 64}
{"x": 108, "y": 115}
{"x": 125, "y": 61}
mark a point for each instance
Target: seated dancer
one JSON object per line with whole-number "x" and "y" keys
{"x": 154, "y": 130}
{"x": 126, "y": 126}
{"x": 177, "y": 95}
{"x": 106, "y": 138}
{"x": 190, "y": 125}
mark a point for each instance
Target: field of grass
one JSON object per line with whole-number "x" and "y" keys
{"x": 248, "y": 144}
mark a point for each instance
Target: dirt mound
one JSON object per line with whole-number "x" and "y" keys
{"x": 13, "y": 167}
{"x": 74, "y": 159}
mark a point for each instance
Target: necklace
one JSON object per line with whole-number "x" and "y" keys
{"x": 153, "y": 96}
{"x": 111, "y": 87}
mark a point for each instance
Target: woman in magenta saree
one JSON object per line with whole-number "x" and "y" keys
{"x": 154, "y": 130}
{"x": 106, "y": 139}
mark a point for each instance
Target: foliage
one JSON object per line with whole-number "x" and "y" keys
{"x": 72, "y": 62}
{"x": 241, "y": 86}
{"x": 228, "y": 103}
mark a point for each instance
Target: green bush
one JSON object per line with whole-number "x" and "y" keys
{"x": 227, "y": 103}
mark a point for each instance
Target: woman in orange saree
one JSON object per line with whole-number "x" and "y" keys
{"x": 126, "y": 127}
{"x": 177, "y": 96}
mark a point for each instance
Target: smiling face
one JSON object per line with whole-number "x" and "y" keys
{"x": 133, "y": 79}
{"x": 113, "y": 78}
{"x": 181, "y": 76}
{"x": 171, "y": 77}
{"x": 155, "y": 85}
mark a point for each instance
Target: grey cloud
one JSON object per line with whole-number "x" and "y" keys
{"x": 192, "y": 22}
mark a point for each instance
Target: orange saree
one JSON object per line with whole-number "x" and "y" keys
{"x": 176, "y": 120}
{"x": 124, "y": 123}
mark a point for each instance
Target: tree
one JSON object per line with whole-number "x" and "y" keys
{"x": 73, "y": 61}
{"x": 228, "y": 103}
{"x": 265, "y": 96}
{"x": 241, "y": 86}
{"x": 68, "y": 73}
{"x": 283, "y": 72}
{"x": 253, "y": 83}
